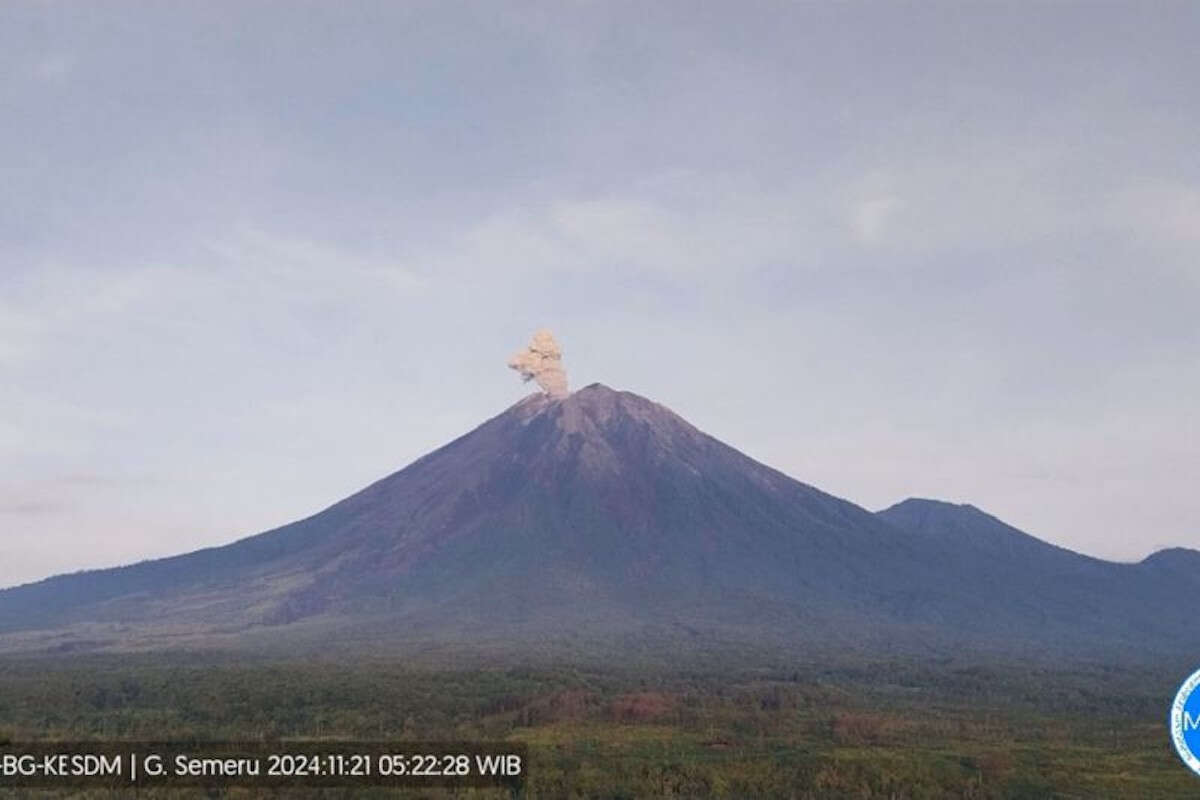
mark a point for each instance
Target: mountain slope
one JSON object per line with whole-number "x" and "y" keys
{"x": 603, "y": 498}
{"x": 1056, "y": 592}
{"x": 606, "y": 513}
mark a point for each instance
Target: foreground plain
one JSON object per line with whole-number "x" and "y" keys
{"x": 881, "y": 729}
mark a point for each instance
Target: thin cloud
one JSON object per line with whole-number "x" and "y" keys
{"x": 33, "y": 508}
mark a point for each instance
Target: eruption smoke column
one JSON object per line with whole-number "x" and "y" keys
{"x": 541, "y": 361}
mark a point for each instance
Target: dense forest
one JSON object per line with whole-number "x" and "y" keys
{"x": 905, "y": 729}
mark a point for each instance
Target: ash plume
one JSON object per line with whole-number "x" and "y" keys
{"x": 541, "y": 361}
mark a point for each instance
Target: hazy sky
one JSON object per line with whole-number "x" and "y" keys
{"x": 255, "y": 255}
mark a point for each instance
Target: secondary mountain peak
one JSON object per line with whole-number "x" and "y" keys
{"x": 1175, "y": 559}
{"x": 967, "y": 529}
{"x": 923, "y": 507}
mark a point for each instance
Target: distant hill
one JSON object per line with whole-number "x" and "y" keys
{"x": 606, "y": 517}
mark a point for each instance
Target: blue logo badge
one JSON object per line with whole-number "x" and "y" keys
{"x": 1185, "y": 722}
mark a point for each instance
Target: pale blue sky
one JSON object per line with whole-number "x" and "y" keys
{"x": 256, "y": 255}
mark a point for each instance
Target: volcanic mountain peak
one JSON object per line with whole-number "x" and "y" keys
{"x": 601, "y": 512}
{"x": 596, "y": 406}
{"x": 603, "y": 431}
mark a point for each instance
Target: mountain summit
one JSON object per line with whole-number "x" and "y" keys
{"x": 602, "y": 514}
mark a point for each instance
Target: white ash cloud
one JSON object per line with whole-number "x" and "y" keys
{"x": 541, "y": 361}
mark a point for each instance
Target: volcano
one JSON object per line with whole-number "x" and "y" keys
{"x": 601, "y": 516}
